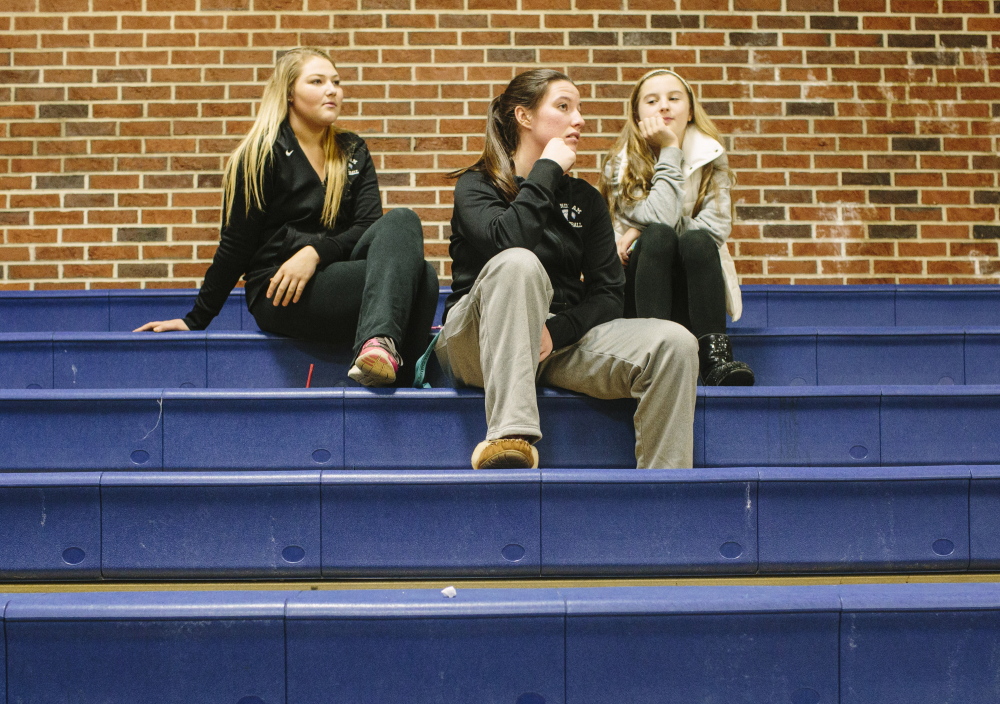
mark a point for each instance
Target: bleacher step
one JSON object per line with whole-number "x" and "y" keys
{"x": 914, "y": 643}
{"x": 349, "y": 524}
{"x": 182, "y": 429}
{"x": 763, "y": 306}
{"x": 247, "y": 360}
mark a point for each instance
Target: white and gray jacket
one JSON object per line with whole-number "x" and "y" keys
{"x": 672, "y": 195}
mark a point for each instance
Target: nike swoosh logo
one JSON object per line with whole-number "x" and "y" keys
{"x": 289, "y": 152}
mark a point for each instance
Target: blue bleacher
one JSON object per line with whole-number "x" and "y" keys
{"x": 763, "y": 307}
{"x": 182, "y": 429}
{"x": 864, "y": 644}
{"x": 139, "y": 463}
{"x": 526, "y": 523}
{"x": 248, "y": 360}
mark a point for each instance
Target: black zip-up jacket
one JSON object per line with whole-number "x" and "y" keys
{"x": 564, "y": 221}
{"x": 258, "y": 243}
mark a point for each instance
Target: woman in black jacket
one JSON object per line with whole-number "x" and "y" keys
{"x": 302, "y": 220}
{"x": 537, "y": 289}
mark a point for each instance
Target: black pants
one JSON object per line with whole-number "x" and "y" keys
{"x": 677, "y": 278}
{"x": 384, "y": 289}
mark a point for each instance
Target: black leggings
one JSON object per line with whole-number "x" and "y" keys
{"x": 384, "y": 289}
{"x": 677, "y": 278}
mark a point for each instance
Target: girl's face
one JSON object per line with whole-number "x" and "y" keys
{"x": 665, "y": 96}
{"x": 557, "y": 115}
{"x": 316, "y": 95}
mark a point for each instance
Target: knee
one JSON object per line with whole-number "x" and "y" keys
{"x": 698, "y": 248}
{"x": 402, "y": 226}
{"x": 673, "y": 344}
{"x": 657, "y": 240}
{"x": 404, "y": 222}
{"x": 517, "y": 262}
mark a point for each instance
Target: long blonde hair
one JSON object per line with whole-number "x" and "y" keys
{"x": 252, "y": 155}
{"x": 637, "y": 176}
{"x": 502, "y": 137}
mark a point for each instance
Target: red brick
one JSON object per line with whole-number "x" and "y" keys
{"x": 938, "y": 231}
{"x": 898, "y": 266}
{"x": 22, "y": 6}
{"x": 922, "y": 249}
{"x": 15, "y": 254}
{"x": 951, "y": 267}
{"x": 972, "y": 214}
{"x": 792, "y": 266}
{"x": 88, "y": 271}
{"x": 32, "y": 271}
{"x": 31, "y": 236}
{"x": 857, "y": 40}
{"x": 35, "y": 200}
{"x": 846, "y": 266}
{"x": 112, "y": 217}
{"x": 411, "y": 21}
{"x": 858, "y": 6}
{"x": 870, "y": 249}
{"x": 62, "y": 6}
{"x": 39, "y": 58}
{"x": 883, "y": 57}
{"x": 166, "y": 251}
{"x": 18, "y": 41}
{"x": 193, "y": 269}
{"x": 320, "y": 5}
{"x": 57, "y": 253}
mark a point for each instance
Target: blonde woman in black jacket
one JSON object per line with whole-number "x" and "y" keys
{"x": 303, "y": 223}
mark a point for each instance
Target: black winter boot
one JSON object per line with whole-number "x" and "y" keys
{"x": 715, "y": 356}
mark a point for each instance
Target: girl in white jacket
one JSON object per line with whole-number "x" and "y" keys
{"x": 667, "y": 182}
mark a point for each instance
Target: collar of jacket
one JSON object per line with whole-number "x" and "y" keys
{"x": 287, "y": 140}
{"x": 286, "y": 137}
{"x": 699, "y": 149}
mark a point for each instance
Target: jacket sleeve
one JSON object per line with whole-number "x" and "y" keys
{"x": 665, "y": 201}
{"x": 491, "y": 224}
{"x": 603, "y": 280}
{"x": 365, "y": 207}
{"x": 715, "y": 216}
{"x": 238, "y": 242}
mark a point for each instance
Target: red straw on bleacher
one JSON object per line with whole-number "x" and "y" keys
{"x": 309, "y": 378}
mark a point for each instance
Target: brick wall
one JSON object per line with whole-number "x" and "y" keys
{"x": 864, "y": 132}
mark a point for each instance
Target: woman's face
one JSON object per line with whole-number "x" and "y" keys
{"x": 665, "y": 96}
{"x": 557, "y": 115}
{"x": 316, "y": 95}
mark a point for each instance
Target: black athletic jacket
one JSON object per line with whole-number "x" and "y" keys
{"x": 258, "y": 243}
{"x": 564, "y": 221}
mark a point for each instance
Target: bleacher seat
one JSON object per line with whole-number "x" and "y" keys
{"x": 417, "y": 523}
{"x": 860, "y": 643}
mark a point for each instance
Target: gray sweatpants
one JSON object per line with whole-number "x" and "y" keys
{"x": 492, "y": 339}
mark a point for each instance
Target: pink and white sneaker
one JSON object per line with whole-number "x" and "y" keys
{"x": 376, "y": 363}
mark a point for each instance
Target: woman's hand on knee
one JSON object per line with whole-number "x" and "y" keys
{"x": 625, "y": 244}
{"x": 175, "y": 325}
{"x": 546, "y": 344}
{"x": 291, "y": 278}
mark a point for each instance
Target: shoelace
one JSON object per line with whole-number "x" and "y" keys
{"x": 387, "y": 344}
